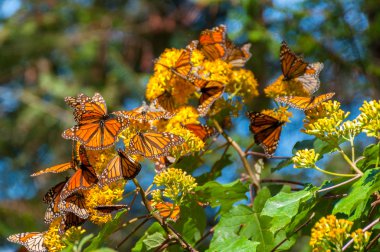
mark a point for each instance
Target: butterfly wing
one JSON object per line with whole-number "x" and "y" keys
{"x": 106, "y": 209}
{"x": 201, "y": 131}
{"x": 266, "y": 130}
{"x": 69, "y": 220}
{"x": 166, "y": 101}
{"x": 163, "y": 162}
{"x": 75, "y": 204}
{"x": 237, "y": 56}
{"x": 54, "y": 169}
{"x": 292, "y": 66}
{"x": 212, "y": 42}
{"x": 32, "y": 241}
{"x": 310, "y": 79}
{"x": 120, "y": 167}
{"x": 154, "y": 145}
{"x": 145, "y": 113}
{"x": 211, "y": 91}
{"x": 167, "y": 210}
{"x": 304, "y": 103}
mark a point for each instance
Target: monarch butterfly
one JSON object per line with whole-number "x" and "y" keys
{"x": 212, "y": 42}
{"x": 201, "y": 131}
{"x": 237, "y": 56}
{"x": 146, "y": 113}
{"x": 292, "y": 66}
{"x": 95, "y": 129}
{"x": 305, "y": 103}
{"x": 183, "y": 66}
{"x": 32, "y": 241}
{"x": 166, "y": 101}
{"x": 211, "y": 91}
{"x": 69, "y": 220}
{"x": 106, "y": 209}
{"x": 310, "y": 79}
{"x": 167, "y": 210}
{"x": 53, "y": 197}
{"x": 75, "y": 204}
{"x": 266, "y": 130}
{"x": 121, "y": 166}
{"x": 84, "y": 178}
{"x": 153, "y": 144}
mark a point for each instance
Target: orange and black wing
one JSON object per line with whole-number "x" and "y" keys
{"x": 32, "y": 241}
{"x": 292, "y": 66}
{"x": 69, "y": 220}
{"x": 201, "y": 131}
{"x": 304, "y": 103}
{"x": 75, "y": 204}
{"x": 152, "y": 144}
{"x": 163, "y": 162}
{"x": 166, "y": 101}
{"x": 167, "y": 210}
{"x": 212, "y": 42}
{"x": 120, "y": 167}
{"x": 54, "y": 169}
{"x": 211, "y": 91}
{"x": 266, "y": 130}
{"x": 146, "y": 113}
{"x": 237, "y": 56}
{"x": 106, "y": 209}
{"x": 53, "y": 198}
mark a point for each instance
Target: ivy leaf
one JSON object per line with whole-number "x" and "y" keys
{"x": 355, "y": 203}
{"x": 222, "y": 195}
{"x": 371, "y": 157}
{"x": 153, "y": 229}
{"x": 107, "y": 230}
{"x": 284, "y": 207}
{"x": 154, "y": 240}
{"x": 243, "y": 226}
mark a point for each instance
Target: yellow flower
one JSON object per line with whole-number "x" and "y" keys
{"x": 285, "y": 88}
{"x": 369, "y": 119}
{"x": 281, "y": 113}
{"x": 324, "y": 121}
{"x": 107, "y": 195}
{"x": 242, "y": 83}
{"x": 330, "y": 233}
{"x": 349, "y": 129}
{"x": 305, "y": 159}
{"x": 177, "y": 184}
{"x": 156, "y": 86}
{"x": 360, "y": 239}
{"x": 216, "y": 70}
{"x": 52, "y": 240}
{"x": 99, "y": 158}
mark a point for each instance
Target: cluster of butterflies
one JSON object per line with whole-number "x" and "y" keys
{"x": 96, "y": 129}
{"x": 266, "y": 129}
{"x": 214, "y": 44}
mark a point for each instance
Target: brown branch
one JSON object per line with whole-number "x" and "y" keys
{"x": 372, "y": 242}
{"x": 165, "y": 244}
{"x": 204, "y": 236}
{"x": 282, "y": 181}
{"x": 131, "y": 233}
{"x": 168, "y": 229}
{"x": 340, "y": 184}
{"x": 247, "y": 167}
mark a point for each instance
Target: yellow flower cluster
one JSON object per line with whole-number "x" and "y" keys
{"x": 305, "y": 158}
{"x": 107, "y": 195}
{"x": 369, "y": 119}
{"x": 285, "y": 88}
{"x": 329, "y": 234}
{"x": 281, "y": 113}
{"x": 360, "y": 239}
{"x": 324, "y": 121}
{"x": 242, "y": 83}
{"x": 177, "y": 185}
{"x": 53, "y": 240}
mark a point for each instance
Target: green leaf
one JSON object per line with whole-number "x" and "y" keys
{"x": 282, "y": 164}
{"x": 153, "y": 229}
{"x": 192, "y": 222}
{"x": 240, "y": 244}
{"x": 284, "y": 207}
{"x": 104, "y": 250}
{"x": 262, "y": 197}
{"x": 355, "y": 203}
{"x": 242, "y": 223}
{"x": 222, "y": 195}
{"x": 107, "y": 230}
{"x": 371, "y": 157}
{"x": 154, "y": 240}
{"x": 216, "y": 169}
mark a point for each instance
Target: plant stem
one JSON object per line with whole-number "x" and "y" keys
{"x": 353, "y": 166}
{"x": 333, "y": 173}
{"x": 241, "y": 154}
{"x": 168, "y": 229}
{"x": 259, "y": 154}
{"x": 372, "y": 242}
{"x": 340, "y": 184}
{"x": 282, "y": 181}
{"x": 352, "y": 150}
{"x": 368, "y": 227}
